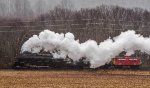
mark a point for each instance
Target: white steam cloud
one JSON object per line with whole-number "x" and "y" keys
{"x": 63, "y": 45}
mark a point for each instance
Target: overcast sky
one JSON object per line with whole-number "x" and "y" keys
{"x": 10, "y": 9}
{"x": 145, "y": 4}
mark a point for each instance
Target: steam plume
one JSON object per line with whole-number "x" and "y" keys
{"x": 63, "y": 45}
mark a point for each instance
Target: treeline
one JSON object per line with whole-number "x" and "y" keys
{"x": 97, "y": 23}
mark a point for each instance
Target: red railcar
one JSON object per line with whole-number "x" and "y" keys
{"x": 127, "y": 61}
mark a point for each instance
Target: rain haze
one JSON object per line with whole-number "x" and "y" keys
{"x": 93, "y": 3}
{"x": 10, "y": 8}
{"x": 75, "y": 43}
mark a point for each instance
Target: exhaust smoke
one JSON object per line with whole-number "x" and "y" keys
{"x": 65, "y": 45}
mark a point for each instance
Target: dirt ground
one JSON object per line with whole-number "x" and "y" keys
{"x": 74, "y": 79}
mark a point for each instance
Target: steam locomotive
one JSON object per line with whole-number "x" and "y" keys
{"x": 28, "y": 60}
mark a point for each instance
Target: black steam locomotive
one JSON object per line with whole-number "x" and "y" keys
{"x": 28, "y": 60}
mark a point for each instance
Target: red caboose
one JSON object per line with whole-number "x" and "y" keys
{"x": 127, "y": 61}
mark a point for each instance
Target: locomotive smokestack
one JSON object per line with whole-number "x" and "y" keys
{"x": 63, "y": 45}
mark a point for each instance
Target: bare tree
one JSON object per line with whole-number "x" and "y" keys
{"x": 40, "y": 7}
{"x": 66, "y": 4}
{"x": 2, "y": 9}
{"x": 28, "y": 11}
{"x": 23, "y": 9}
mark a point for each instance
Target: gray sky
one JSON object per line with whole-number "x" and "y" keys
{"x": 10, "y": 9}
{"x": 145, "y": 4}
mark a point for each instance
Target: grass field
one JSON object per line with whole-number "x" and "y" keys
{"x": 75, "y": 79}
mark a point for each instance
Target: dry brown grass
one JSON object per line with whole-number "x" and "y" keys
{"x": 75, "y": 79}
